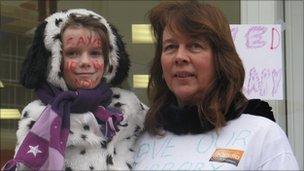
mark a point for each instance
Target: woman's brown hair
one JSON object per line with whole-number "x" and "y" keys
{"x": 94, "y": 25}
{"x": 193, "y": 19}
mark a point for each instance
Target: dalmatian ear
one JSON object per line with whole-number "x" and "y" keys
{"x": 34, "y": 68}
{"x": 122, "y": 69}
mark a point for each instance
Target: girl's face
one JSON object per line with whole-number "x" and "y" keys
{"x": 188, "y": 66}
{"x": 83, "y": 62}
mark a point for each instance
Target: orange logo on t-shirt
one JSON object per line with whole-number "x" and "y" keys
{"x": 232, "y": 156}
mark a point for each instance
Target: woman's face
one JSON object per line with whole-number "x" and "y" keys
{"x": 188, "y": 66}
{"x": 83, "y": 62}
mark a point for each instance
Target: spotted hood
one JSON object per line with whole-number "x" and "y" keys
{"x": 43, "y": 60}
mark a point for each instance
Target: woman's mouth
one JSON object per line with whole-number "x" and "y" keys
{"x": 183, "y": 74}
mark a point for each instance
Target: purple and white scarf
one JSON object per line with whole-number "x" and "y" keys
{"x": 44, "y": 146}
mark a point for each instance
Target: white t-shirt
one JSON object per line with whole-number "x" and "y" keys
{"x": 247, "y": 143}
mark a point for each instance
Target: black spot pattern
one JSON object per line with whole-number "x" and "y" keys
{"x": 58, "y": 21}
{"x": 109, "y": 160}
{"x": 86, "y": 127}
{"x": 110, "y": 69}
{"x": 115, "y": 151}
{"x": 68, "y": 169}
{"x": 91, "y": 168}
{"x": 131, "y": 149}
{"x": 116, "y": 96}
{"x": 25, "y": 114}
{"x": 142, "y": 106}
{"x": 60, "y": 75}
{"x": 30, "y": 125}
{"x": 71, "y": 146}
{"x": 123, "y": 125}
{"x": 128, "y": 138}
{"x": 137, "y": 129}
{"x": 84, "y": 137}
{"x": 103, "y": 144}
{"x": 82, "y": 152}
{"x": 118, "y": 104}
{"x": 57, "y": 37}
{"x": 129, "y": 165}
{"x": 71, "y": 132}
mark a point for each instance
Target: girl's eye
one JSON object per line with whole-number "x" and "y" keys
{"x": 71, "y": 54}
{"x": 96, "y": 53}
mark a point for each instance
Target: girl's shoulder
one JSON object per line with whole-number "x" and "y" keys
{"x": 33, "y": 110}
{"x": 128, "y": 103}
{"x": 134, "y": 112}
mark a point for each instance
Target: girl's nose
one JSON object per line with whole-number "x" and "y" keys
{"x": 85, "y": 60}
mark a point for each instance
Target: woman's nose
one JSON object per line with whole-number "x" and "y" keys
{"x": 181, "y": 56}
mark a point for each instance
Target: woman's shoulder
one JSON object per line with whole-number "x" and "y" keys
{"x": 258, "y": 125}
{"x": 270, "y": 139}
{"x": 253, "y": 119}
{"x": 249, "y": 120}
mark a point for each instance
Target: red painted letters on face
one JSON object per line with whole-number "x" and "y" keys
{"x": 83, "y": 62}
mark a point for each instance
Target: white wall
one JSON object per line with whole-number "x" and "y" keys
{"x": 288, "y": 112}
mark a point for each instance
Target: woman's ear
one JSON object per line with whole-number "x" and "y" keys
{"x": 123, "y": 61}
{"x": 34, "y": 69}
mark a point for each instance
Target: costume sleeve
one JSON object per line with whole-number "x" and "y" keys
{"x": 276, "y": 152}
{"x": 121, "y": 147}
{"x": 29, "y": 116}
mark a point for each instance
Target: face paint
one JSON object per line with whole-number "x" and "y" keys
{"x": 81, "y": 41}
{"x": 86, "y": 83}
{"x": 97, "y": 42}
{"x": 71, "y": 65}
{"x": 82, "y": 67}
{"x": 89, "y": 39}
{"x": 69, "y": 41}
{"x": 97, "y": 65}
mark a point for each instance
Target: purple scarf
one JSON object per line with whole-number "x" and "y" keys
{"x": 44, "y": 146}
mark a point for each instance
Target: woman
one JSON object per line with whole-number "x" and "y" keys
{"x": 78, "y": 122}
{"x": 197, "y": 118}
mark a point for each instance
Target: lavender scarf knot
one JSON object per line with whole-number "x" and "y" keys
{"x": 44, "y": 146}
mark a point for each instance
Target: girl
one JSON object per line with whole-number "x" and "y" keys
{"x": 78, "y": 122}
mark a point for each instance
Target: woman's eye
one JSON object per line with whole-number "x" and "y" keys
{"x": 169, "y": 48}
{"x": 195, "y": 47}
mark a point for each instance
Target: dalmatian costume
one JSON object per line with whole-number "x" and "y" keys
{"x": 87, "y": 148}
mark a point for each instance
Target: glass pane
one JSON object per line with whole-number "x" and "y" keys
{"x": 18, "y": 19}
